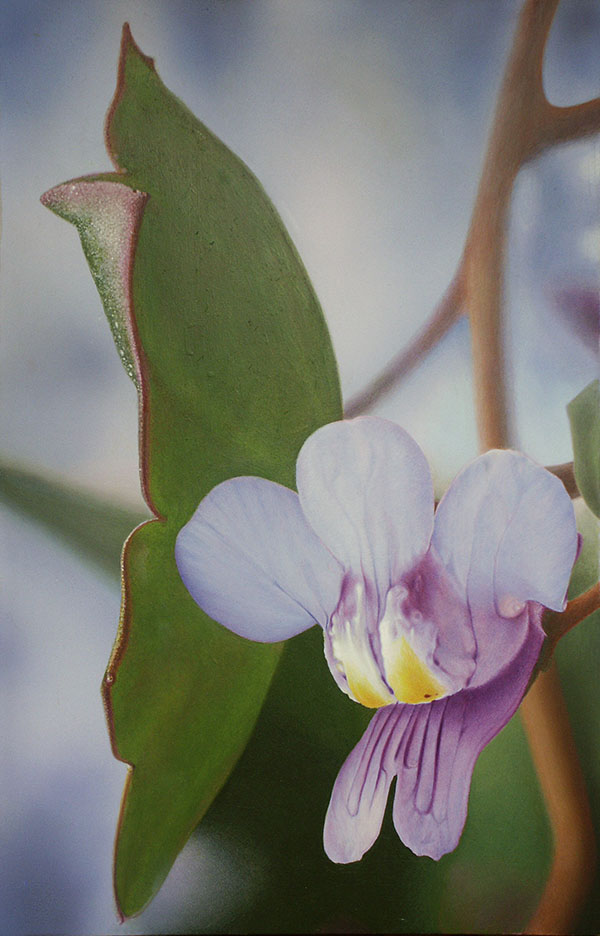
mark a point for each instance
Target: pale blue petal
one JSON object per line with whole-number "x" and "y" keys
{"x": 506, "y": 527}
{"x": 505, "y": 530}
{"x": 252, "y": 563}
{"x": 366, "y": 490}
{"x": 538, "y": 550}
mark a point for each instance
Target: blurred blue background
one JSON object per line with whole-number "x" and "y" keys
{"x": 366, "y": 122}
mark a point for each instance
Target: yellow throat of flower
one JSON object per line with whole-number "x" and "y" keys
{"x": 405, "y": 677}
{"x": 411, "y": 680}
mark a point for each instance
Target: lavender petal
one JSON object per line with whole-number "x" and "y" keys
{"x": 505, "y": 530}
{"x": 366, "y": 490}
{"x": 361, "y": 789}
{"x": 251, "y": 561}
{"x": 430, "y": 804}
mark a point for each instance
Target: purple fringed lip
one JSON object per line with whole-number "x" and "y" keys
{"x": 434, "y": 621}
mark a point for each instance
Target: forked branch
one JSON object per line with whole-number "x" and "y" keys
{"x": 525, "y": 124}
{"x": 440, "y": 322}
{"x": 520, "y": 131}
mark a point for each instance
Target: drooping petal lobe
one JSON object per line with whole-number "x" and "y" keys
{"x": 366, "y": 490}
{"x": 437, "y": 751}
{"x": 252, "y": 563}
{"x": 360, "y": 792}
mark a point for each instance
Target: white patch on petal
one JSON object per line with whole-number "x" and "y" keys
{"x": 406, "y": 672}
{"x": 349, "y": 649}
{"x": 422, "y": 648}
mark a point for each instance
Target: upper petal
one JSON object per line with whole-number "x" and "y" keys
{"x": 366, "y": 490}
{"x": 505, "y": 530}
{"x": 436, "y": 751}
{"x": 251, "y": 561}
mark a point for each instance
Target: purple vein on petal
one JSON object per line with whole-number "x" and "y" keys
{"x": 365, "y": 488}
{"x": 403, "y": 715}
{"x": 377, "y": 740}
{"x": 449, "y": 737}
{"x": 415, "y": 735}
{"x": 411, "y": 714}
{"x": 429, "y": 762}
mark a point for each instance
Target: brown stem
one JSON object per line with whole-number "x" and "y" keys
{"x": 520, "y": 122}
{"x": 525, "y": 124}
{"x": 581, "y": 607}
{"x": 563, "y": 124}
{"x": 567, "y": 476}
{"x": 444, "y": 316}
{"x": 576, "y": 611}
{"x": 546, "y": 722}
{"x": 520, "y": 112}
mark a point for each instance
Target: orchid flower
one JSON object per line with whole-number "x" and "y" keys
{"x": 435, "y": 622}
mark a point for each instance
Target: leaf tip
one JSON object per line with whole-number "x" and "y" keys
{"x": 129, "y": 51}
{"x": 130, "y": 47}
{"x": 52, "y": 198}
{"x": 108, "y": 204}
{"x": 122, "y": 916}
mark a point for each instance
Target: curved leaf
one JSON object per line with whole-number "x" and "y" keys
{"x": 93, "y": 527}
{"x": 235, "y": 369}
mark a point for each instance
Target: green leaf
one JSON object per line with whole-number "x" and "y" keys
{"x": 88, "y": 524}
{"x": 219, "y": 324}
{"x": 584, "y": 416}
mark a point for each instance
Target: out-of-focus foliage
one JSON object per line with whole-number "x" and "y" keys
{"x": 86, "y": 523}
{"x": 584, "y": 416}
{"x": 580, "y": 308}
{"x": 236, "y": 370}
{"x": 578, "y": 659}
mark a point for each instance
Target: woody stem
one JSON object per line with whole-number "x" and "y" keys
{"x": 519, "y": 130}
{"x": 522, "y": 105}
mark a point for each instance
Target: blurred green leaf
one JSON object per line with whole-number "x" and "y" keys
{"x": 584, "y": 416}
{"x": 225, "y": 336}
{"x": 578, "y": 659}
{"x": 91, "y": 526}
